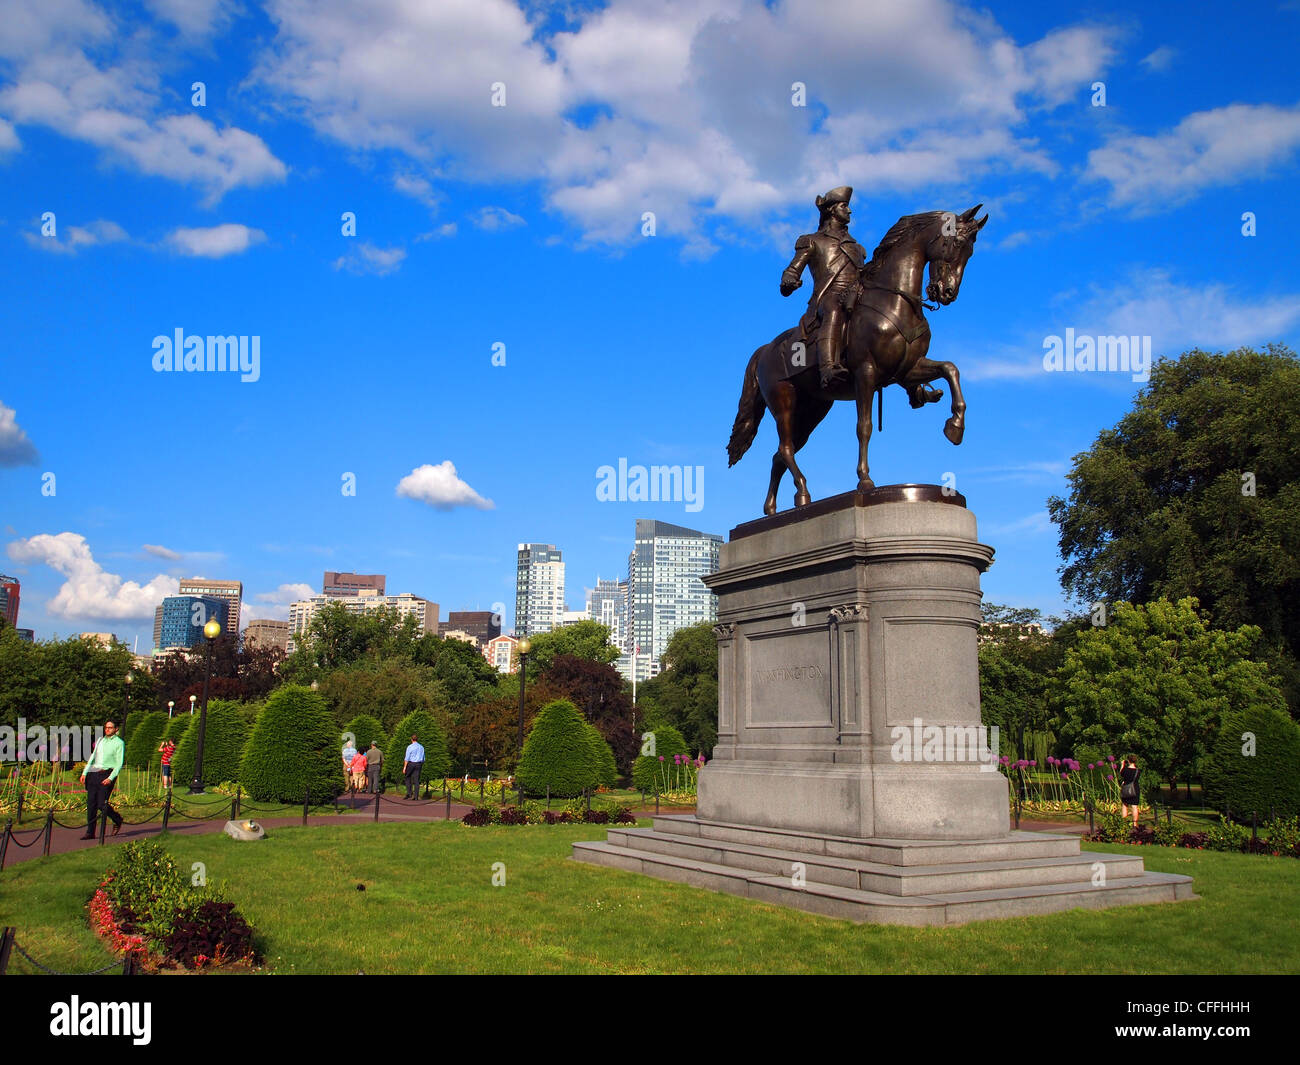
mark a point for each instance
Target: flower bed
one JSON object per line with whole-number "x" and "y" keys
{"x": 572, "y": 812}
{"x": 145, "y": 906}
{"x": 1279, "y": 838}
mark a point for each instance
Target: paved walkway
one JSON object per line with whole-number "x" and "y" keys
{"x": 29, "y": 840}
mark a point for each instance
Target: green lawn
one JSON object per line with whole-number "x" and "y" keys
{"x": 430, "y": 906}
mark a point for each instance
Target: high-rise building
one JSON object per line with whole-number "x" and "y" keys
{"x": 664, "y": 589}
{"x": 607, "y": 603}
{"x": 364, "y": 602}
{"x": 103, "y": 639}
{"x": 539, "y": 589}
{"x": 266, "y": 632}
{"x": 157, "y": 625}
{"x": 183, "y": 618}
{"x": 9, "y": 589}
{"x": 482, "y": 625}
{"x": 339, "y": 584}
{"x": 231, "y": 591}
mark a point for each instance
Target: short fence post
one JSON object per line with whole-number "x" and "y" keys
{"x": 6, "y": 944}
{"x": 234, "y": 809}
{"x": 656, "y": 798}
{"x": 1017, "y": 810}
{"x": 167, "y": 809}
{"x": 21, "y": 794}
{"x": 462, "y": 787}
{"x": 49, "y": 832}
{"x": 4, "y": 841}
{"x": 129, "y": 965}
{"x": 1254, "y": 828}
{"x": 589, "y": 800}
{"x": 1169, "y": 815}
{"x": 376, "y": 806}
{"x": 306, "y": 800}
{"x": 1092, "y": 829}
{"x": 548, "y": 796}
{"x": 448, "y": 816}
{"x": 480, "y": 791}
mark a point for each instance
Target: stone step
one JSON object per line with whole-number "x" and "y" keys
{"x": 857, "y": 905}
{"x": 880, "y": 877}
{"x": 898, "y": 852}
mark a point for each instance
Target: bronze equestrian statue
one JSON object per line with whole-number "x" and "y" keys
{"x": 869, "y": 314}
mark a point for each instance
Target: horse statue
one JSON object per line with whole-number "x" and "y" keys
{"x": 886, "y": 343}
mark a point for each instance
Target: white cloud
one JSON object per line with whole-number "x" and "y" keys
{"x": 214, "y": 242}
{"x": 16, "y": 449}
{"x": 9, "y": 141}
{"x": 1161, "y": 59}
{"x": 441, "y": 488}
{"x": 87, "y": 236}
{"x": 1224, "y": 146}
{"x": 1030, "y": 525}
{"x": 494, "y": 218}
{"x": 448, "y": 229}
{"x": 275, "y": 605}
{"x": 194, "y": 18}
{"x": 682, "y": 108}
{"x": 158, "y": 551}
{"x": 416, "y": 187}
{"x": 367, "y": 258}
{"x": 88, "y": 591}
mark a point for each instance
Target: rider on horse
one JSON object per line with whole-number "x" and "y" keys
{"x": 835, "y": 260}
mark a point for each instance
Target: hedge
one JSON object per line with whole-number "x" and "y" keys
{"x": 142, "y": 741}
{"x": 293, "y": 749}
{"x": 366, "y": 728}
{"x": 1242, "y": 775}
{"x": 224, "y": 736}
{"x": 604, "y": 755}
{"x": 559, "y": 756}
{"x": 437, "y": 762}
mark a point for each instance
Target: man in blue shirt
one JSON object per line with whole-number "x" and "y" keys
{"x": 413, "y": 762}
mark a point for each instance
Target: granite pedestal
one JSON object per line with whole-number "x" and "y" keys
{"x": 850, "y": 755}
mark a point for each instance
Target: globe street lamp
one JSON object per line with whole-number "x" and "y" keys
{"x": 193, "y": 699}
{"x": 171, "y": 703}
{"x": 524, "y": 646}
{"x": 128, "y": 678}
{"x": 211, "y": 631}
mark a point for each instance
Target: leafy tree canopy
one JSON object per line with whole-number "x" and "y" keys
{"x": 584, "y": 639}
{"x": 685, "y": 694}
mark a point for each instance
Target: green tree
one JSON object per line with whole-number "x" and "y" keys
{"x": 685, "y": 693}
{"x": 584, "y": 639}
{"x": 142, "y": 742}
{"x": 1016, "y": 660}
{"x": 603, "y": 756}
{"x": 1157, "y": 680}
{"x": 1194, "y": 493}
{"x": 293, "y": 750}
{"x": 364, "y": 729}
{"x": 560, "y": 755}
{"x": 1252, "y": 768}
{"x": 224, "y": 736}
{"x": 437, "y": 762}
{"x": 385, "y": 689}
{"x": 68, "y": 682}
{"x": 465, "y": 676}
{"x": 648, "y": 769}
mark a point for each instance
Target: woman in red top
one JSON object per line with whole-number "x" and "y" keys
{"x": 168, "y": 748}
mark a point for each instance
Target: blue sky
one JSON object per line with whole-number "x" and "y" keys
{"x": 521, "y": 225}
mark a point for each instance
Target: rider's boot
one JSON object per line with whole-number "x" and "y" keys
{"x": 828, "y": 359}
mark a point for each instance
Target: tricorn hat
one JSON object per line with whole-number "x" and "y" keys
{"x": 841, "y": 195}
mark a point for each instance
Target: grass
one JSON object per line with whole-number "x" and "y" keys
{"x": 430, "y": 907}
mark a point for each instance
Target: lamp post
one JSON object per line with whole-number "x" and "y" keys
{"x": 193, "y": 699}
{"x": 171, "y": 705}
{"x": 211, "y": 631}
{"x": 128, "y": 678}
{"x": 524, "y": 646}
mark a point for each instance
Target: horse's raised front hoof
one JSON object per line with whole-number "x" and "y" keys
{"x": 802, "y": 499}
{"x": 769, "y": 506}
{"x": 954, "y": 429}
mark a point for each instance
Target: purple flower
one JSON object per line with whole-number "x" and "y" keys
{"x": 1091, "y": 765}
{"x": 1110, "y": 758}
{"x": 1034, "y": 762}
{"x": 1110, "y": 776}
{"x": 661, "y": 758}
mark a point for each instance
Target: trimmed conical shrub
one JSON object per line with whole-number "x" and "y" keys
{"x": 223, "y": 745}
{"x": 647, "y": 769}
{"x": 437, "y": 762}
{"x": 365, "y": 728}
{"x": 293, "y": 749}
{"x": 559, "y": 754}
{"x": 142, "y": 742}
{"x": 1252, "y": 767}
{"x": 604, "y": 755}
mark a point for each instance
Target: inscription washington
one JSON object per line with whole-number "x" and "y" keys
{"x": 767, "y": 676}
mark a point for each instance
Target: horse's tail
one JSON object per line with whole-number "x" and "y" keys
{"x": 748, "y": 415}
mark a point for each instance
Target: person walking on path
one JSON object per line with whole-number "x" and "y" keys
{"x": 359, "y": 771}
{"x": 413, "y": 762}
{"x": 99, "y": 776}
{"x": 374, "y": 762}
{"x": 168, "y": 749}
{"x": 349, "y": 752}
{"x": 1129, "y": 793}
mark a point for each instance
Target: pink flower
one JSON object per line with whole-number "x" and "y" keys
{"x": 661, "y": 758}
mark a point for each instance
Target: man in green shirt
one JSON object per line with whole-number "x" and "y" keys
{"x": 99, "y": 777}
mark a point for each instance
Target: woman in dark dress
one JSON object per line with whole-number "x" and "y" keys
{"x": 1129, "y": 774}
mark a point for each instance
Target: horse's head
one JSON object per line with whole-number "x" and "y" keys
{"x": 950, "y": 245}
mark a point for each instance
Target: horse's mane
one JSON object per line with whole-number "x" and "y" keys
{"x": 904, "y": 229}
